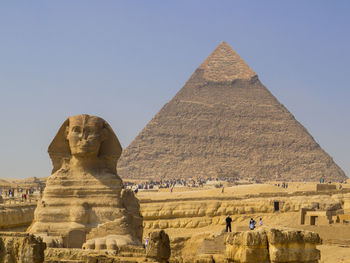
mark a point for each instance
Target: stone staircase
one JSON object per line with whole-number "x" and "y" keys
{"x": 215, "y": 245}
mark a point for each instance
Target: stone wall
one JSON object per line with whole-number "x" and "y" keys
{"x": 17, "y": 215}
{"x": 326, "y": 187}
{"x": 193, "y": 213}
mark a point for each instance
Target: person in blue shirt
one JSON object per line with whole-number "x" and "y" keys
{"x": 252, "y": 224}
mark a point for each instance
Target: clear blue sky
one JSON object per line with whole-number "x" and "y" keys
{"x": 123, "y": 60}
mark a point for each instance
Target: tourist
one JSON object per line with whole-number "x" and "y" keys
{"x": 260, "y": 222}
{"x": 252, "y": 224}
{"x": 228, "y": 223}
{"x": 146, "y": 241}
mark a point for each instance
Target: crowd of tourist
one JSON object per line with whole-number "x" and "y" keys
{"x": 171, "y": 183}
{"x": 283, "y": 185}
{"x": 19, "y": 193}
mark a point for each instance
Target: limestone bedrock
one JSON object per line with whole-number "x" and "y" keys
{"x": 84, "y": 197}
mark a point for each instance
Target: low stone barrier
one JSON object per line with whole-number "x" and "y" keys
{"x": 16, "y": 215}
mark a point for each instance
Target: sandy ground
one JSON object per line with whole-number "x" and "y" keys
{"x": 334, "y": 254}
{"x": 238, "y": 190}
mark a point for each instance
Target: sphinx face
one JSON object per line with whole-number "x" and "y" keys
{"x": 85, "y": 135}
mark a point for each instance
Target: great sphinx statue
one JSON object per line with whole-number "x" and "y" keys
{"x": 84, "y": 201}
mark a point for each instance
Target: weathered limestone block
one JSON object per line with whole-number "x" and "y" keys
{"x": 272, "y": 246}
{"x": 158, "y": 246}
{"x": 84, "y": 196}
{"x": 249, "y": 246}
{"x": 293, "y": 246}
{"x": 21, "y": 248}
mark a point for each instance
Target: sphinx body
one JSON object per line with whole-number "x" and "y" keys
{"x": 84, "y": 195}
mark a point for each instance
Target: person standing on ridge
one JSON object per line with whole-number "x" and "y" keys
{"x": 228, "y": 223}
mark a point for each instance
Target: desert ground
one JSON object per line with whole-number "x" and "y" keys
{"x": 336, "y": 237}
{"x": 184, "y": 213}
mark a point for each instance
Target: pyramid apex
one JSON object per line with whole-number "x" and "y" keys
{"x": 224, "y": 64}
{"x": 224, "y": 43}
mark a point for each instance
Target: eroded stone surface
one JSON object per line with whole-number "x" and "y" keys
{"x": 83, "y": 198}
{"x": 158, "y": 246}
{"x": 21, "y": 248}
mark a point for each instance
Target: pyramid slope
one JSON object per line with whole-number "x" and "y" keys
{"x": 225, "y": 123}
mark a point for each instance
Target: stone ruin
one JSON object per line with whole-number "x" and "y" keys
{"x": 265, "y": 245}
{"x": 326, "y": 213}
{"x": 158, "y": 246}
{"x": 84, "y": 201}
{"x": 344, "y": 217}
{"x": 272, "y": 245}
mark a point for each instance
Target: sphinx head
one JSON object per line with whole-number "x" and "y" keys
{"x": 85, "y": 136}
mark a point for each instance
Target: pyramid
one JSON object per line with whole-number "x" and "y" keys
{"x": 225, "y": 123}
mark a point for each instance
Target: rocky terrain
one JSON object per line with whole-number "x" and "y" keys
{"x": 225, "y": 123}
{"x": 21, "y": 248}
{"x": 262, "y": 246}
{"x": 273, "y": 245}
{"x": 194, "y": 219}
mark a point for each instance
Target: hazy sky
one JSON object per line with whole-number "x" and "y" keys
{"x": 123, "y": 60}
